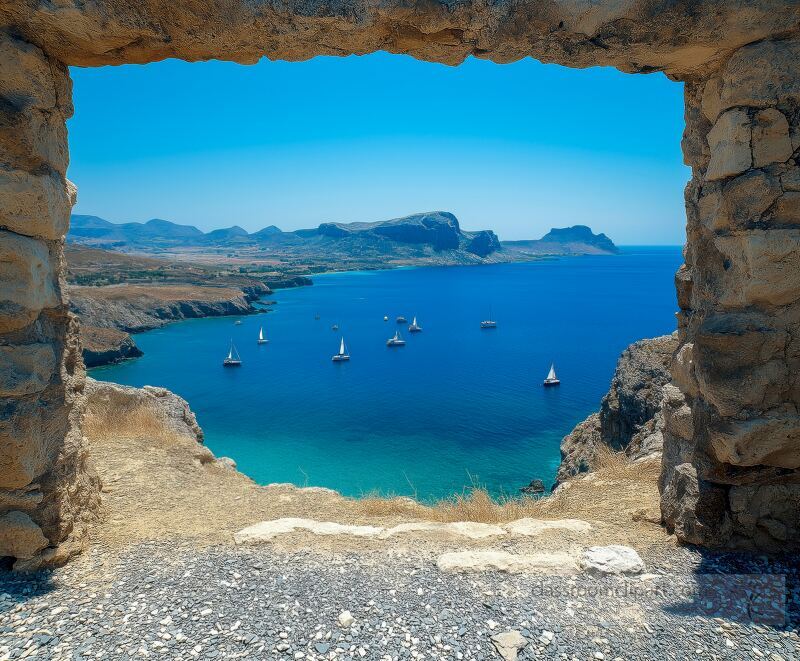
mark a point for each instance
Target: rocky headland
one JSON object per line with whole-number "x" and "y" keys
{"x": 575, "y": 240}
{"x": 137, "y": 308}
{"x": 630, "y": 419}
{"x": 106, "y": 346}
{"x": 110, "y": 313}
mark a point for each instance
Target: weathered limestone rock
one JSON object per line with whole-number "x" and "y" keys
{"x": 556, "y": 562}
{"x": 48, "y": 492}
{"x": 25, "y": 369}
{"x": 508, "y": 644}
{"x": 614, "y": 559}
{"x": 630, "y": 413}
{"x": 729, "y": 141}
{"x": 730, "y": 473}
{"x": 34, "y": 204}
{"x": 20, "y": 537}
{"x": 29, "y": 280}
{"x": 771, "y": 142}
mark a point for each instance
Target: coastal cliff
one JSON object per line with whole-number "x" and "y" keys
{"x": 106, "y": 346}
{"x": 137, "y": 308}
{"x": 630, "y": 417}
{"x": 110, "y": 313}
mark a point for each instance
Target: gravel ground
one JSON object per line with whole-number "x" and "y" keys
{"x": 156, "y": 600}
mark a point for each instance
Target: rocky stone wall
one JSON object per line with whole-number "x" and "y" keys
{"x": 47, "y": 489}
{"x": 732, "y": 443}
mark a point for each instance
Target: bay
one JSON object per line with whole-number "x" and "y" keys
{"x": 457, "y": 406}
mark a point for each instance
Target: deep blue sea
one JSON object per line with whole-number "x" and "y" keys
{"x": 456, "y": 406}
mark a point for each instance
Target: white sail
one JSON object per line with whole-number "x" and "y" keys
{"x": 414, "y": 323}
{"x": 341, "y": 348}
{"x": 552, "y": 373}
{"x": 261, "y": 333}
{"x": 230, "y": 353}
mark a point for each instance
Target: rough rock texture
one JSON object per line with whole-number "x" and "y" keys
{"x": 172, "y": 411}
{"x": 732, "y": 439}
{"x": 731, "y": 450}
{"x": 614, "y": 559}
{"x": 48, "y": 492}
{"x": 106, "y": 346}
{"x": 630, "y": 416}
{"x": 683, "y": 37}
{"x": 136, "y": 308}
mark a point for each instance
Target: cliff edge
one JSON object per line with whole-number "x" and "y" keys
{"x": 630, "y": 418}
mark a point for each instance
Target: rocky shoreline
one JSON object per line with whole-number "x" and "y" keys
{"x": 630, "y": 418}
{"x": 110, "y": 314}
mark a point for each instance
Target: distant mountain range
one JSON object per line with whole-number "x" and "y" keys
{"x": 418, "y": 235}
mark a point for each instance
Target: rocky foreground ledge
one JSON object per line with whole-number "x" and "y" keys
{"x": 194, "y": 561}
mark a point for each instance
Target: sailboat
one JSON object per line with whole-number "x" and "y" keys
{"x": 396, "y": 341}
{"x": 414, "y": 327}
{"x": 233, "y": 359}
{"x": 261, "y": 338}
{"x": 401, "y": 319}
{"x": 489, "y": 323}
{"x": 342, "y": 355}
{"x": 551, "y": 379}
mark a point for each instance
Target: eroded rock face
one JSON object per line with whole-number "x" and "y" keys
{"x": 682, "y": 37}
{"x": 732, "y": 440}
{"x": 48, "y": 491}
{"x": 630, "y": 416}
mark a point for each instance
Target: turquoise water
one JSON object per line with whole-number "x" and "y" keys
{"x": 458, "y": 405}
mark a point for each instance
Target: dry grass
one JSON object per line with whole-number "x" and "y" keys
{"x": 161, "y": 485}
{"x": 105, "y": 421}
{"x": 615, "y": 490}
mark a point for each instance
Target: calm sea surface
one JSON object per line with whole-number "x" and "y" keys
{"x": 456, "y": 406}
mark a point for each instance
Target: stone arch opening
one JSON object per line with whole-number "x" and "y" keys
{"x": 732, "y": 448}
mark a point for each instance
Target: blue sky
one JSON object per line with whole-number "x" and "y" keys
{"x": 517, "y": 148}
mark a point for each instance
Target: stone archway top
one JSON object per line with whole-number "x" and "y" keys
{"x": 683, "y": 38}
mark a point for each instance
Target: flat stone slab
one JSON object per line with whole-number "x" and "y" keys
{"x": 557, "y": 562}
{"x": 532, "y": 527}
{"x": 611, "y": 560}
{"x": 457, "y": 529}
{"x": 268, "y": 530}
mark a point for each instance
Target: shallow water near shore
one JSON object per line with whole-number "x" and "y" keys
{"x": 456, "y": 406}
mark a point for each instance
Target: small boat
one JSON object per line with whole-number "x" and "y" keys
{"x": 489, "y": 323}
{"x": 238, "y": 322}
{"x": 385, "y": 318}
{"x": 414, "y": 327}
{"x": 342, "y": 355}
{"x": 233, "y": 359}
{"x": 261, "y": 338}
{"x": 396, "y": 341}
{"x": 400, "y": 320}
{"x": 335, "y": 327}
{"x": 551, "y": 379}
